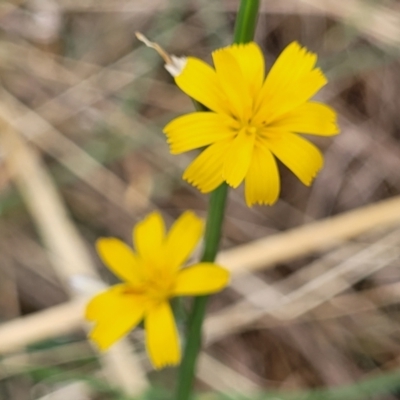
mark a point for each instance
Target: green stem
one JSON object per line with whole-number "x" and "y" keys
{"x": 212, "y": 238}
{"x": 246, "y": 20}
{"x": 244, "y": 32}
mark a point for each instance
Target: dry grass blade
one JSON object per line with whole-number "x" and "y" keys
{"x": 312, "y": 237}
{"x": 44, "y": 135}
{"x": 222, "y": 378}
{"x": 282, "y": 301}
{"x": 53, "y": 322}
{"x": 66, "y": 249}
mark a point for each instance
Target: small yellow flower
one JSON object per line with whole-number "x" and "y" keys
{"x": 252, "y": 119}
{"x": 152, "y": 275}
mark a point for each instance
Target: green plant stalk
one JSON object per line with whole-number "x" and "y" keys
{"x": 246, "y": 21}
{"x": 212, "y": 239}
{"x": 244, "y": 32}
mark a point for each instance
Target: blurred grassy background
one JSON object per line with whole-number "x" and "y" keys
{"x": 82, "y": 155}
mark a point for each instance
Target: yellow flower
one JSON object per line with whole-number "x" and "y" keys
{"x": 252, "y": 119}
{"x": 152, "y": 275}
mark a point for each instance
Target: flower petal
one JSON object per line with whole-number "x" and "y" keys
{"x": 238, "y": 158}
{"x": 205, "y": 172}
{"x": 115, "y": 313}
{"x": 149, "y": 236}
{"x": 311, "y": 117}
{"x": 291, "y": 82}
{"x": 196, "y": 130}
{"x": 182, "y": 238}
{"x": 103, "y": 304}
{"x": 119, "y": 258}
{"x": 199, "y": 81}
{"x": 262, "y": 185}
{"x": 232, "y": 82}
{"x": 298, "y": 154}
{"x": 200, "y": 279}
{"x": 162, "y": 340}
{"x": 251, "y": 61}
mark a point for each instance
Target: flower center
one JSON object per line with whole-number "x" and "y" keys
{"x": 251, "y": 130}
{"x": 159, "y": 288}
{"x": 248, "y": 129}
{"x": 156, "y": 288}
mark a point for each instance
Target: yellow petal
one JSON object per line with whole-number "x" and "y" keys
{"x": 291, "y": 82}
{"x": 298, "y": 154}
{"x": 115, "y": 314}
{"x": 238, "y": 158}
{"x": 205, "y": 172}
{"x": 182, "y": 239}
{"x": 312, "y": 118}
{"x": 103, "y": 304}
{"x": 119, "y": 258}
{"x": 199, "y": 81}
{"x": 196, "y": 130}
{"x": 162, "y": 340}
{"x": 149, "y": 236}
{"x": 201, "y": 279}
{"x": 262, "y": 183}
{"x": 232, "y": 82}
{"x": 251, "y": 61}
